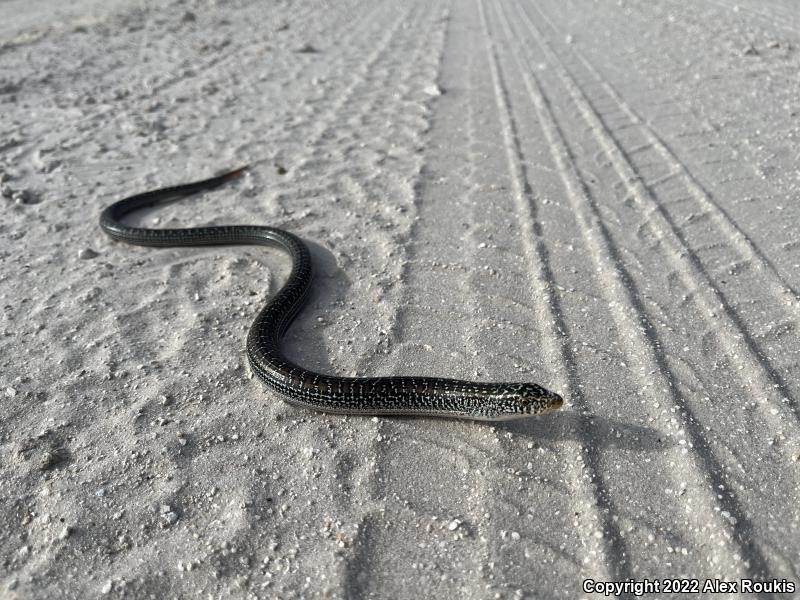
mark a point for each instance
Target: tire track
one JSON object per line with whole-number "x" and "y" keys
{"x": 734, "y": 136}
{"x": 780, "y": 287}
{"x": 361, "y": 571}
{"x": 641, "y": 339}
{"x": 736, "y": 116}
{"x": 760, "y": 376}
{"x": 382, "y": 482}
{"x": 609, "y": 549}
{"x": 356, "y": 188}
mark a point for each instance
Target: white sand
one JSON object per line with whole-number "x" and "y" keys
{"x": 604, "y": 203}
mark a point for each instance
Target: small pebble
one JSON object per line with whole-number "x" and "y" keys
{"x": 87, "y": 254}
{"x": 453, "y": 525}
{"x": 433, "y": 90}
{"x": 53, "y": 458}
{"x": 23, "y": 197}
{"x": 11, "y": 392}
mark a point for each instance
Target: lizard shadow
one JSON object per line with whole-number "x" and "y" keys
{"x": 599, "y": 432}
{"x": 305, "y": 341}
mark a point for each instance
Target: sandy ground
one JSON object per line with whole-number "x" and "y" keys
{"x": 600, "y": 197}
